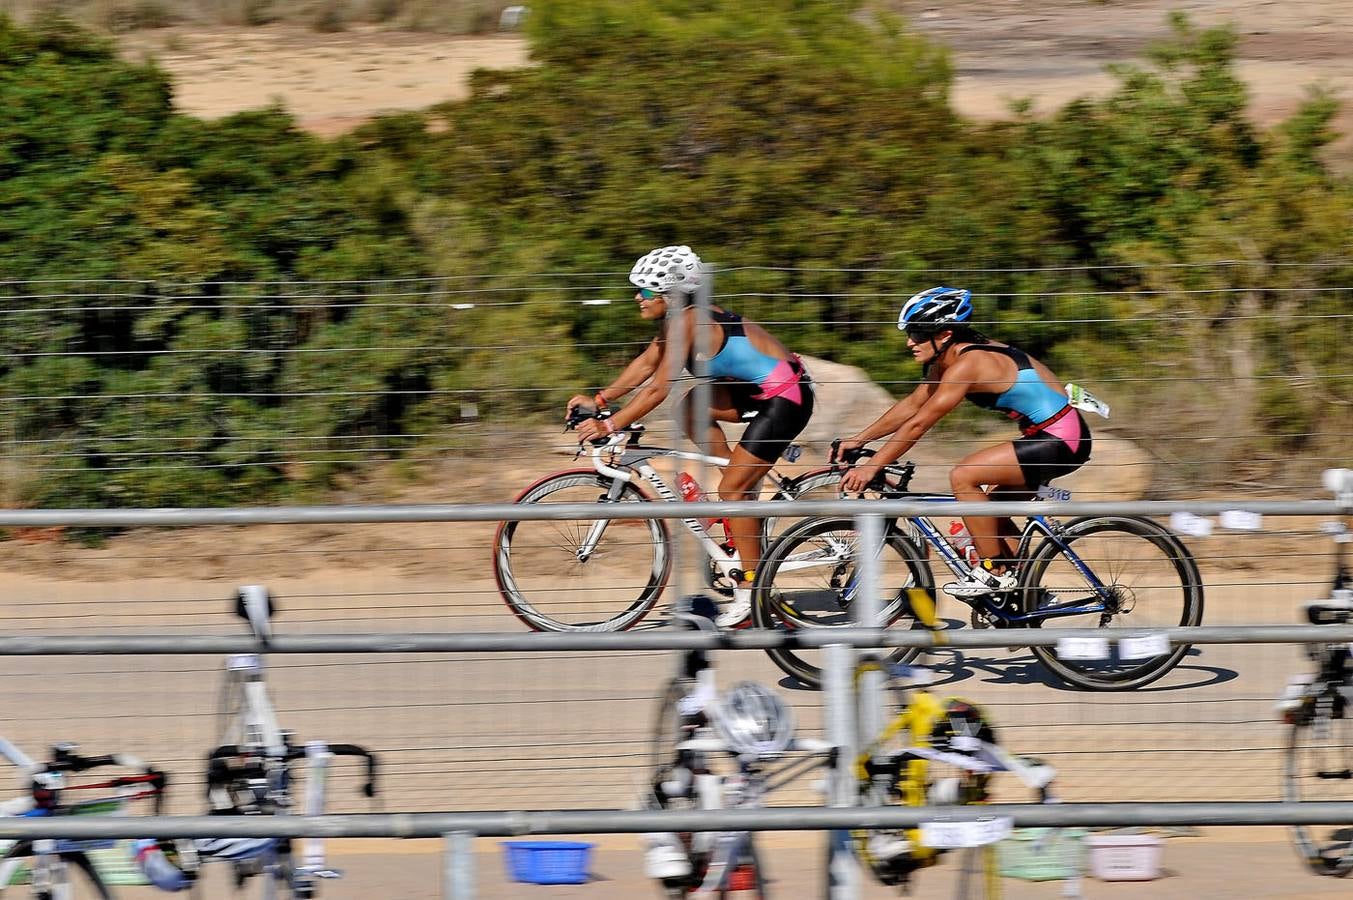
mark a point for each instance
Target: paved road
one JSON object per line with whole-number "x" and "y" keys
{"x": 485, "y": 731}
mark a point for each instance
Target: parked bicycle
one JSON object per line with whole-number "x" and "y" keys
{"x": 936, "y": 753}
{"x": 603, "y": 574}
{"x": 717, "y": 751}
{"x": 1318, "y": 706}
{"x": 1112, "y": 572}
{"x": 250, "y": 772}
{"x": 55, "y": 787}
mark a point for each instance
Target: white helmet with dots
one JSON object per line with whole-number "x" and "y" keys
{"x": 667, "y": 269}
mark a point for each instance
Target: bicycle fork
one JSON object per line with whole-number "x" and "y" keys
{"x": 589, "y": 544}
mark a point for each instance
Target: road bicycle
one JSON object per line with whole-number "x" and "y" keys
{"x": 51, "y": 788}
{"x": 250, "y": 772}
{"x": 1318, "y": 764}
{"x": 604, "y": 574}
{"x": 936, "y": 753}
{"x": 710, "y": 751}
{"x": 1124, "y": 574}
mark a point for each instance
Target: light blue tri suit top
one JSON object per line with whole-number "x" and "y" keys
{"x": 1029, "y": 398}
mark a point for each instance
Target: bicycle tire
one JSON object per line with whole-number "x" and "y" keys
{"x": 1321, "y": 734}
{"x": 823, "y": 484}
{"x": 1172, "y": 579}
{"x": 784, "y": 599}
{"x": 548, "y": 602}
{"x": 661, "y": 754}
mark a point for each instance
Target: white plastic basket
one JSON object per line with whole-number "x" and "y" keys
{"x": 1124, "y": 857}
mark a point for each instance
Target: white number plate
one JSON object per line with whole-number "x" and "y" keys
{"x": 1083, "y": 648}
{"x": 952, "y": 835}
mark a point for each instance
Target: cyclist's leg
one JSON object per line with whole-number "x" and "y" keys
{"x": 724, "y": 406}
{"x": 998, "y": 467}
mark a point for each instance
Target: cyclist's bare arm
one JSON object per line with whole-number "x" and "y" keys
{"x": 897, "y": 415}
{"x": 659, "y": 385}
{"x": 632, "y": 376}
{"x": 943, "y": 398}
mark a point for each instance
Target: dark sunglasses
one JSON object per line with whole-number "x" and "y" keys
{"x": 646, "y": 294}
{"x": 921, "y": 334}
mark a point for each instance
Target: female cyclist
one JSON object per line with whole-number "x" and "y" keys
{"x": 959, "y": 363}
{"x": 754, "y": 375}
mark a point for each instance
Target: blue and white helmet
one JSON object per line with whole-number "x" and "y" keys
{"x": 667, "y": 269}
{"x": 935, "y": 310}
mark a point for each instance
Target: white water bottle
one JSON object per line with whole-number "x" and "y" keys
{"x": 962, "y": 541}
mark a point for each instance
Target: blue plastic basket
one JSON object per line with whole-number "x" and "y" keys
{"x": 547, "y": 862}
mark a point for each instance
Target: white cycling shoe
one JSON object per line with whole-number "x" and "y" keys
{"x": 979, "y": 583}
{"x": 665, "y": 860}
{"x": 738, "y": 611}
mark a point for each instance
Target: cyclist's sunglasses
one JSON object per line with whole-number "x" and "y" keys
{"x": 646, "y": 294}
{"x": 919, "y": 334}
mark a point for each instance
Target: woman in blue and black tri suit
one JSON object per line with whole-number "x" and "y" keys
{"x": 752, "y": 372}
{"x": 959, "y": 364}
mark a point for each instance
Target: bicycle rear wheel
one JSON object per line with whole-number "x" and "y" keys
{"x": 1319, "y": 766}
{"x": 1151, "y": 582}
{"x": 581, "y": 574}
{"x": 808, "y": 579}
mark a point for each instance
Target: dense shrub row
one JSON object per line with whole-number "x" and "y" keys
{"x": 797, "y": 136}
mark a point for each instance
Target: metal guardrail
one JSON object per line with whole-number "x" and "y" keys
{"x": 749, "y": 639}
{"x": 495, "y": 512}
{"x": 786, "y": 818}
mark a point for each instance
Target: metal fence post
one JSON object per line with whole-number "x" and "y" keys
{"x": 843, "y": 876}
{"x": 458, "y": 873}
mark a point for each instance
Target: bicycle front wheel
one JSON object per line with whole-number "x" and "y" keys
{"x": 1141, "y": 576}
{"x": 1319, "y": 766}
{"x": 809, "y": 579}
{"x": 581, "y": 574}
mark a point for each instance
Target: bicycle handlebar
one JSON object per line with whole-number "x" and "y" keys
{"x": 578, "y": 415}
{"x": 227, "y": 751}
{"x": 840, "y": 460}
{"x": 65, "y": 760}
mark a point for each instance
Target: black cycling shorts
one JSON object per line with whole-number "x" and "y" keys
{"x": 1043, "y": 457}
{"x": 778, "y": 420}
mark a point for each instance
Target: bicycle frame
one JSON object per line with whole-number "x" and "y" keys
{"x": 1035, "y": 525}
{"x": 49, "y": 856}
{"x": 254, "y": 732}
{"x": 633, "y": 460}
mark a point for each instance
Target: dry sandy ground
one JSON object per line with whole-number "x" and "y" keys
{"x": 1047, "y": 50}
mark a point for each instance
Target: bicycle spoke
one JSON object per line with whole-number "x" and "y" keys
{"x": 581, "y": 574}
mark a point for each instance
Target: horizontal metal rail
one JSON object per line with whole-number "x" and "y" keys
{"x": 495, "y": 512}
{"x": 748, "y": 639}
{"x": 800, "y": 818}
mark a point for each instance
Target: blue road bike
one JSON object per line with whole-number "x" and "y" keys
{"x": 1121, "y": 573}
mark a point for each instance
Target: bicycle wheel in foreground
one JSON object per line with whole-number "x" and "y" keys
{"x": 1151, "y": 582}
{"x": 1319, "y": 766}
{"x": 809, "y": 579}
{"x": 581, "y": 574}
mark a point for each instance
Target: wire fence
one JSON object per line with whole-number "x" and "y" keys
{"x": 1218, "y": 371}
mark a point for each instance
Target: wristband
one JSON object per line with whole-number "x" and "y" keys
{"x": 610, "y": 429}
{"x": 600, "y": 399}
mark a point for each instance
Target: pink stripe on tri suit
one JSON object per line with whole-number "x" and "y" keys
{"x": 783, "y": 381}
{"x": 1069, "y": 429}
